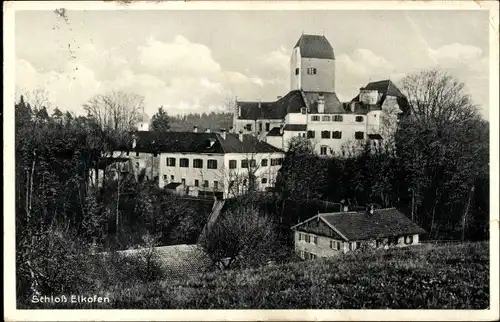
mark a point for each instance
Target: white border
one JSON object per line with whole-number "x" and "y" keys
{"x": 12, "y": 314}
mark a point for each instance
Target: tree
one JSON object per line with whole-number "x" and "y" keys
{"x": 160, "y": 122}
{"x": 241, "y": 237}
{"x": 442, "y": 147}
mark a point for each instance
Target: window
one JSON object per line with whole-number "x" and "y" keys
{"x": 308, "y": 239}
{"x": 128, "y": 153}
{"x": 408, "y": 240}
{"x": 196, "y": 183}
{"x": 315, "y": 240}
{"x": 326, "y": 118}
{"x": 183, "y": 181}
{"x": 325, "y": 134}
{"x": 338, "y": 118}
{"x": 268, "y": 127}
{"x": 352, "y": 246}
{"x": 359, "y": 135}
{"x": 170, "y": 162}
{"x": 216, "y": 185}
{"x": 336, "y": 135}
{"x": 248, "y": 127}
{"x": 300, "y": 236}
{"x": 253, "y": 163}
{"x": 244, "y": 164}
{"x": 137, "y": 154}
{"x": 212, "y": 164}
{"x": 155, "y": 154}
{"x": 205, "y": 183}
{"x": 359, "y": 119}
{"x": 231, "y": 184}
{"x": 232, "y": 164}
{"x": 244, "y": 182}
{"x": 260, "y": 127}
{"x": 296, "y": 71}
{"x": 172, "y": 178}
{"x": 184, "y": 163}
{"x": 263, "y": 180}
{"x": 275, "y": 162}
{"x": 314, "y": 118}
{"x": 263, "y": 162}
{"x": 311, "y": 134}
{"x": 302, "y": 254}
{"x": 164, "y": 177}
{"x": 313, "y": 256}
{"x": 137, "y": 165}
{"x": 335, "y": 245}
{"x": 323, "y": 149}
{"x": 311, "y": 71}
{"x": 198, "y": 163}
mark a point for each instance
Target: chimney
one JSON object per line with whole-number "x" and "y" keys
{"x": 239, "y": 111}
{"x": 321, "y": 103}
{"x": 207, "y": 131}
{"x": 134, "y": 142}
{"x": 240, "y": 136}
{"x": 279, "y": 96}
{"x": 231, "y": 129}
{"x": 282, "y": 128}
{"x": 195, "y": 128}
{"x": 353, "y": 106}
{"x": 223, "y": 133}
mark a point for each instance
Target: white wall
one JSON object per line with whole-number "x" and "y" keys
{"x": 295, "y": 118}
{"x": 348, "y": 127}
{"x": 295, "y": 62}
{"x": 323, "y": 80}
{"x": 240, "y": 125}
{"x": 191, "y": 173}
{"x": 368, "y": 96}
{"x": 276, "y": 141}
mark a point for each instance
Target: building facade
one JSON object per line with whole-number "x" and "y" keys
{"x": 192, "y": 163}
{"x": 326, "y": 235}
{"x": 312, "y": 109}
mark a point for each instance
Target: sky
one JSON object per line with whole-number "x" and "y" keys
{"x": 197, "y": 61}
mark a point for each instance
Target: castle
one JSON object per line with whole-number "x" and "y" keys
{"x": 312, "y": 110}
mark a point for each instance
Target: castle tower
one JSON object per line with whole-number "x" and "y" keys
{"x": 312, "y": 65}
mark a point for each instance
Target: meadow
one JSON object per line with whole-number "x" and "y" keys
{"x": 427, "y": 276}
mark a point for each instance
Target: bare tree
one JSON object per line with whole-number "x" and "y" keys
{"x": 38, "y": 98}
{"x": 117, "y": 111}
{"x": 241, "y": 237}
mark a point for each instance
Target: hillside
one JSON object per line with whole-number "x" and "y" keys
{"x": 452, "y": 276}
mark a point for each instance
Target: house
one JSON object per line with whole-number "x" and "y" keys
{"x": 312, "y": 109}
{"x": 203, "y": 163}
{"x": 328, "y": 234}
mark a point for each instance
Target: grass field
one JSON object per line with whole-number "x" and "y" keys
{"x": 450, "y": 276}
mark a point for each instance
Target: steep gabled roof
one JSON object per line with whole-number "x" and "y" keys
{"x": 195, "y": 142}
{"x": 271, "y": 110}
{"x": 315, "y": 46}
{"x": 332, "y": 102}
{"x": 360, "y": 225}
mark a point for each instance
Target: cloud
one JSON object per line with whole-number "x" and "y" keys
{"x": 358, "y": 68}
{"x": 179, "y": 56}
{"x": 455, "y": 53}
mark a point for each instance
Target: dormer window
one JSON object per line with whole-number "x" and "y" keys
{"x": 296, "y": 71}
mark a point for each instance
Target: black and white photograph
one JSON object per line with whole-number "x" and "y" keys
{"x": 238, "y": 160}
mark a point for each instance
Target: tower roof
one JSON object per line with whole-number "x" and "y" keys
{"x": 315, "y": 46}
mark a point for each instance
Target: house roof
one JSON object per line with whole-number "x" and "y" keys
{"x": 173, "y": 185}
{"x": 332, "y": 102}
{"x": 295, "y": 127}
{"x": 315, "y": 46}
{"x": 361, "y": 225}
{"x": 385, "y": 88}
{"x": 271, "y": 110}
{"x": 275, "y": 131}
{"x": 195, "y": 142}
